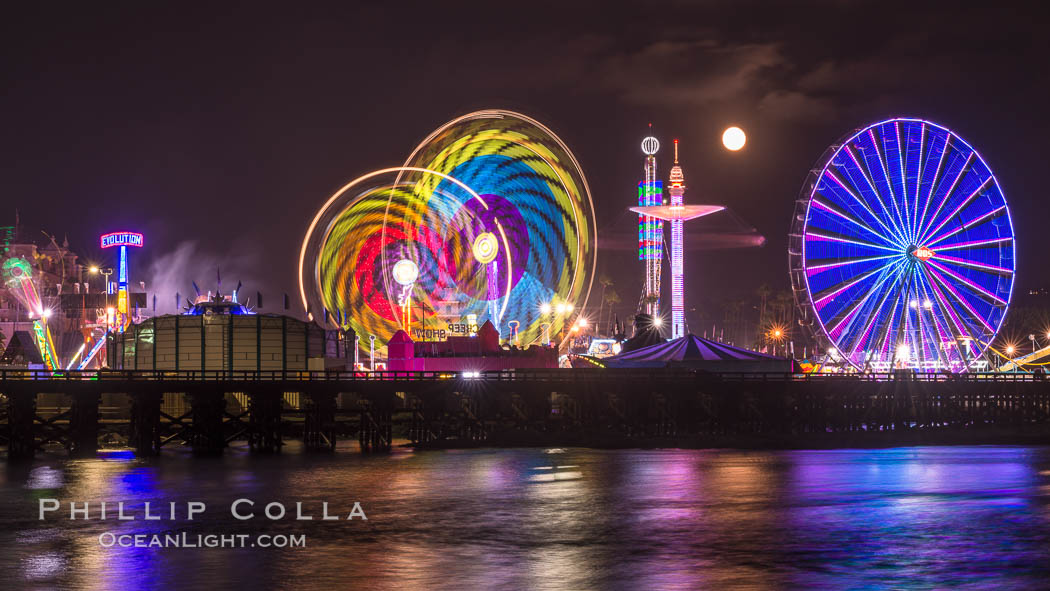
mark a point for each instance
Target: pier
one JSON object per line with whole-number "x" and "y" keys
{"x": 206, "y": 411}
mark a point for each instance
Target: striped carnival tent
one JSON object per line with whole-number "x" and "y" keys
{"x": 694, "y": 352}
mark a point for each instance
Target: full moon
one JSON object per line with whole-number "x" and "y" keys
{"x": 733, "y": 138}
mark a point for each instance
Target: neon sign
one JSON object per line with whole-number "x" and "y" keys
{"x": 121, "y": 239}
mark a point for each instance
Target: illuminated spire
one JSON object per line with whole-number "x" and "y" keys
{"x": 677, "y": 178}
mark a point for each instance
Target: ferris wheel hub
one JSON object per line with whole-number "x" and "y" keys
{"x": 922, "y": 253}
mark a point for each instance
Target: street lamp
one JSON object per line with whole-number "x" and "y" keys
{"x": 551, "y": 311}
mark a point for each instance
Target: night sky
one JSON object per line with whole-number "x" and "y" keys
{"x": 217, "y": 129}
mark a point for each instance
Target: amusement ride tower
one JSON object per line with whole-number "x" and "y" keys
{"x": 650, "y": 229}
{"x": 676, "y": 213}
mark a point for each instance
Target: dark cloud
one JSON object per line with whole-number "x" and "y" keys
{"x": 689, "y": 73}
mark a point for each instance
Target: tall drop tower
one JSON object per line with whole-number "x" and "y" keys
{"x": 677, "y": 213}
{"x": 677, "y": 191}
{"x": 650, "y": 229}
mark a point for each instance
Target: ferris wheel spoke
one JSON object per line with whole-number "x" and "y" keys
{"x": 938, "y": 178}
{"x": 902, "y": 203}
{"x": 989, "y": 268}
{"x": 952, "y": 317}
{"x": 966, "y": 226}
{"x": 888, "y": 328}
{"x": 961, "y": 299}
{"x": 846, "y": 320}
{"x": 973, "y": 243}
{"x": 943, "y": 308}
{"x": 848, "y": 241}
{"x": 969, "y": 199}
{"x": 946, "y": 308}
{"x": 864, "y": 172}
{"x": 881, "y": 156}
{"x": 849, "y": 261}
{"x": 819, "y": 301}
{"x": 920, "y": 342}
{"x": 873, "y": 319}
{"x": 948, "y": 194}
{"x": 946, "y": 313}
{"x": 858, "y": 341}
{"x": 966, "y": 282}
{"x": 833, "y": 209}
{"x": 890, "y": 235}
{"x": 918, "y": 177}
{"x": 916, "y": 337}
{"x": 898, "y": 324}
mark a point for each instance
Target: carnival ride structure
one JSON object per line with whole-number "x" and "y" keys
{"x": 489, "y": 219}
{"x": 650, "y": 229}
{"x": 901, "y": 251}
{"x": 18, "y": 275}
{"x": 677, "y": 213}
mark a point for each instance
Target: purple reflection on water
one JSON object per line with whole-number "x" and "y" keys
{"x": 527, "y": 519}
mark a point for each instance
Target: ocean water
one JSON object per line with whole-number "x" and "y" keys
{"x": 916, "y": 518}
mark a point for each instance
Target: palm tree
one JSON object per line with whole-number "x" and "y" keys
{"x": 763, "y": 293}
{"x": 612, "y": 298}
{"x": 785, "y": 307}
{"x": 733, "y": 312}
{"x": 605, "y": 281}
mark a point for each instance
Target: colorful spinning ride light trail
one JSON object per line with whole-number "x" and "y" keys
{"x": 342, "y": 258}
{"x": 902, "y": 249}
{"x": 18, "y": 275}
{"x": 540, "y": 209}
{"x": 491, "y": 172}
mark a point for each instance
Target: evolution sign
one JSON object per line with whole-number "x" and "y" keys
{"x": 121, "y": 239}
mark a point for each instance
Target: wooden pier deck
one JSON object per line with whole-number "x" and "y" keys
{"x": 208, "y": 410}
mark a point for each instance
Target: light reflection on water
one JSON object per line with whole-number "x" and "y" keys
{"x": 552, "y": 519}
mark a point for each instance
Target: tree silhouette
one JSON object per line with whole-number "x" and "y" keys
{"x": 612, "y": 298}
{"x": 605, "y": 281}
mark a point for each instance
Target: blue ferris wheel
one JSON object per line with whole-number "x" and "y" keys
{"x": 902, "y": 250}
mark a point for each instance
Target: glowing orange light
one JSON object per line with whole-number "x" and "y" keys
{"x": 923, "y": 253}
{"x": 776, "y": 333}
